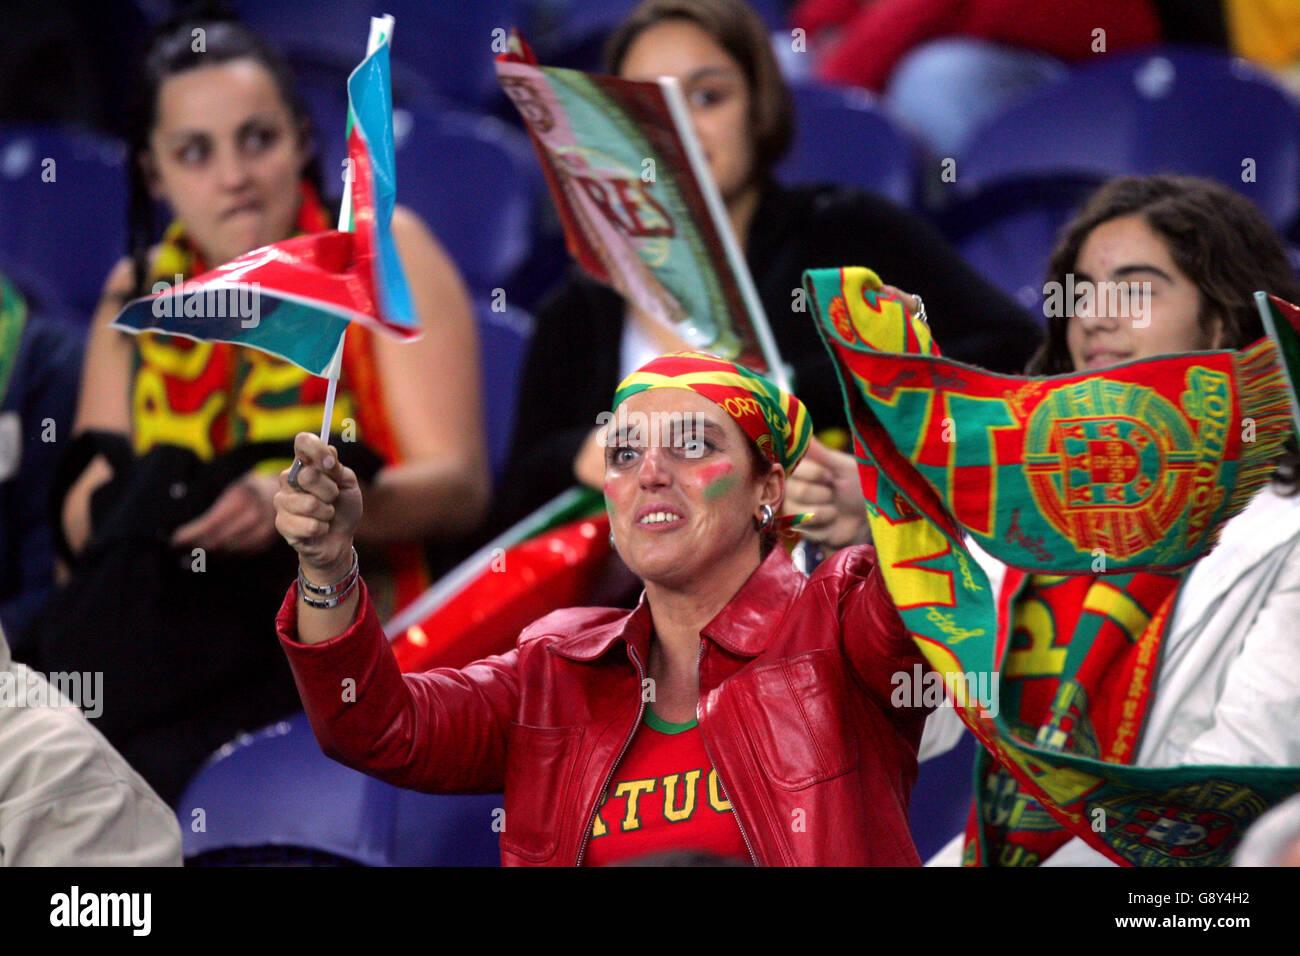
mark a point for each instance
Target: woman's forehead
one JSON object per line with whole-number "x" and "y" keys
{"x": 677, "y": 48}
{"x": 217, "y": 96}
{"x": 1116, "y": 242}
{"x": 683, "y": 402}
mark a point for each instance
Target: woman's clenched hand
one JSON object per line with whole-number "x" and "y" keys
{"x": 320, "y": 516}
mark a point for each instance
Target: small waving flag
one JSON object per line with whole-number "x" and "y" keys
{"x": 294, "y": 299}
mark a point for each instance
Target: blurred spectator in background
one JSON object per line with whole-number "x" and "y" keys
{"x": 588, "y": 336}
{"x": 948, "y": 65}
{"x": 1267, "y": 32}
{"x": 167, "y": 491}
{"x": 40, "y": 358}
{"x": 67, "y": 798}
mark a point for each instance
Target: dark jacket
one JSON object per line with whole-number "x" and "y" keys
{"x": 794, "y": 710}
{"x": 35, "y": 426}
{"x": 572, "y": 367}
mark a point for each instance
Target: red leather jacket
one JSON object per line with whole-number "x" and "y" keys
{"x": 794, "y": 710}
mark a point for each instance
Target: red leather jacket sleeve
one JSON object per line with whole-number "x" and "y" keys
{"x": 443, "y": 730}
{"x": 875, "y": 641}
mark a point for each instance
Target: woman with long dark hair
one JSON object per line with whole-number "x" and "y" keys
{"x": 180, "y": 441}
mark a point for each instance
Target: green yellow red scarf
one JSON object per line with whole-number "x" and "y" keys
{"x": 776, "y": 421}
{"x": 1103, "y": 487}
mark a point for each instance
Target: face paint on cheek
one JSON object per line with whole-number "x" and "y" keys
{"x": 717, "y": 480}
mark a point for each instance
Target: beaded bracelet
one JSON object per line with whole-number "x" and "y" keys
{"x": 329, "y": 595}
{"x": 328, "y": 603}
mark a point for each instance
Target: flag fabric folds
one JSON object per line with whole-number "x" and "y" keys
{"x": 295, "y": 299}
{"x": 634, "y": 203}
{"x": 1104, "y": 485}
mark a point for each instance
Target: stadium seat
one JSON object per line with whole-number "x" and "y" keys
{"x": 1007, "y": 230}
{"x": 1168, "y": 109}
{"x": 572, "y": 33}
{"x": 504, "y": 332}
{"x": 478, "y": 185}
{"x": 62, "y": 210}
{"x": 941, "y": 797}
{"x": 474, "y": 180}
{"x": 449, "y": 45}
{"x": 273, "y": 797}
{"x": 843, "y": 135}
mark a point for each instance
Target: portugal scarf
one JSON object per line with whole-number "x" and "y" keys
{"x": 1101, "y": 488}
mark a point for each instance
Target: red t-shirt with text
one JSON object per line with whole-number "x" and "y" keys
{"x": 665, "y": 795}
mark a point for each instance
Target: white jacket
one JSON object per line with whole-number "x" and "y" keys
{"x": 1228, "y": 689}
{"x": 67, "y": 798}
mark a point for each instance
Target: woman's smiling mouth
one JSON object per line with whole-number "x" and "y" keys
{"x": 658, "y": 517}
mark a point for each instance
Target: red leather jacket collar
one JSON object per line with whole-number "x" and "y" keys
{"x": 744, "y": 626}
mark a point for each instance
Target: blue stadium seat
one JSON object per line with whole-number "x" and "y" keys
{"x": 1007, "y": 230}
{"x": 1169, "y": 109}
{"x": 572, "y": 33}
{"x": 941, "y": 798}
{"x": 842, "y": 135}
{"x": 447, "y": 43}
{"x": 503, "y": 334}
{"x": 273, "y": 797}
{"x": 62, "y": 210}
{"x": 476, "y": 182}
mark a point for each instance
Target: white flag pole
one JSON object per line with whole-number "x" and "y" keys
{"x": 381, "y": 29}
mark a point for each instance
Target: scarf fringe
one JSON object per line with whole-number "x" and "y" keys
{"x": 1265, "y": 398}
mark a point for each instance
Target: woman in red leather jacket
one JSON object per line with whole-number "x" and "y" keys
{"x": 741, "y": 710}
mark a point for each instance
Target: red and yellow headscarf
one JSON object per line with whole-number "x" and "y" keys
{"x": 776, "y": 421}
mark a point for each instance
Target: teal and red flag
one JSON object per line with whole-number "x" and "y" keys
{"x": 295, "y": 299}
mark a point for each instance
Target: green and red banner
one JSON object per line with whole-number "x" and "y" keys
{"x": 1117, "y": 478}
{"x": 640, "y": 209}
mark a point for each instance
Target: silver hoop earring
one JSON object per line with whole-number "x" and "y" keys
{"x": 611, "y": 541}
{"x": 766, "y": 519}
